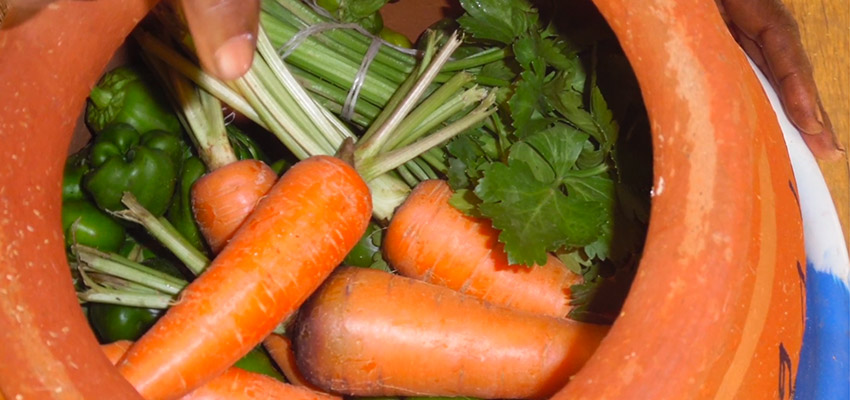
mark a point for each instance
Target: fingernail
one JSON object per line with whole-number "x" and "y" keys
{"x": 819, "y": 115}
{"x": 814, "y": 126}
{"x": 233, "y": 58}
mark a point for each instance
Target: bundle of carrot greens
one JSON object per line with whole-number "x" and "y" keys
{"x": 496, "y": 175}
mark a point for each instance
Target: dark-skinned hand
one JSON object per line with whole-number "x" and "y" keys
{"x": 768, "y": 33}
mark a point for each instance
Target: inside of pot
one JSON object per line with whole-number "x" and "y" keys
{"x": 567, "y": 121}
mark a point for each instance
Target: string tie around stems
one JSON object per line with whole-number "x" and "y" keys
{"x": 374, "y": 47}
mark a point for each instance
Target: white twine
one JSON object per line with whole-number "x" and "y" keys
{"x": 374, "y": 47}
{"x": 354, "y": 93}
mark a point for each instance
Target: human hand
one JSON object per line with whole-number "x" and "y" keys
{"x": 224, "y": 33}
{"x": 768, "y": 33}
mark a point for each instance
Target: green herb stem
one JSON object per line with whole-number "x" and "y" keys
{"x": 374, "y": 144}
{"x": 335, "y": 95}
{"x": 203, "y": 119}
{"x": 348, "y": 38}
{"x": 117, "y": 266}
{"x": 426, "y": 110}
{"x": 274, "y": 118}
{"x": 476, "y": 60}
{"x": 323, "y": 62}
{"x": 388, "y": 161}
{"x": 125, "y": 298}
{"x": 188, "y": 69}
{"x": 307, "y": 107}
{"x": 164, "y": 232}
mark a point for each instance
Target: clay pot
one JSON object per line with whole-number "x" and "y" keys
{"x": 715, "y": 312}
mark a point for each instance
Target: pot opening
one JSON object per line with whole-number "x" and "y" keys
{"x": 567, "y": 120}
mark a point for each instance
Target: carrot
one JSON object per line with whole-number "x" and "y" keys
{"x": 280, "y": 350}
{"x": 238, "y": 384}
{"x": 367, "y": 332}
{"x": 298, "y": 233}
{"x": 115, "y": 350}
{"x": 233, "y": 384}
{"x": 430, "y": 240}
{"x": 223, "y": 198}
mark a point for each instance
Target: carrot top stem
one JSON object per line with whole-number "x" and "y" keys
{"x": 126, "y": 298}
{"x": 314, "y": 115}
{"x": 283, "y": 127}
{"x": 156, "y": 48}
{"x": 386, "y": 162}
{"x": 283, "y": 106}
{"x": 373, "y": 144}
{"x": 165, "y": 233}
{"x": 202, "y": 115}
{"x": 199, "y": 113}
{"x": 435, "y": 109}
{"x": 404, "y": 88}
{"x": 118, "y": 266}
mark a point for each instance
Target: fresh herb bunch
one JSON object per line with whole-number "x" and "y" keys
{"x": 546, "y": 170}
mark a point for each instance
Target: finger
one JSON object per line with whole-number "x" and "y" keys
{"x": 825, "y": 146}
{"x": 754, "y": 51}
{"x": 224, "y": 33}
{"x": 773, "y": 29}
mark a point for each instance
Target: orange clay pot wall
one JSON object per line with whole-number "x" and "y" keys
{"x": 717, "y": 307}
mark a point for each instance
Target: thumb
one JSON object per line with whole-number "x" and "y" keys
{"x": 224, "y": 33}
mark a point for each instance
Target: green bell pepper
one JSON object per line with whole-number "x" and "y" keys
{"x": 180, "y": 212}
{"x": 127, "y": 95}
{"x": 364, "y": 12}
{"x": 396, "y": 38}
{"x": 258, "y": 361}
{"x": 83, "y": 223}
{"x": 122, "y": 160}
{"x": 76, "y": 166}
{"x": 113, "y": 322}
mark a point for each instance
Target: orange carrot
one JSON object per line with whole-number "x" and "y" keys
{"x": 430, "y": 240}
{"x": 298, "y": 233}
{"x": 115, "y": 350}
{"x": 367, "y": 332}
{"x": 223, "y": 198}
{"x": 238, "y": 384}
{"x": 233, "y": 384}
{"x": 280, "y": 350}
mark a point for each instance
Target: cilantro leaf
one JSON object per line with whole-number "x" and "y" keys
{"x": 468, "y": 153}
{"x": 498, "y": 70}
{"x": 528, "y": 200}
{"x": 498, "y": 20}
{"x": 466, "y": 202}
{"x": 528, "y": 106}
{"x": 603, "y": 117}
{"x": 554, "y": 51}
{"x": 600, "y": 297}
